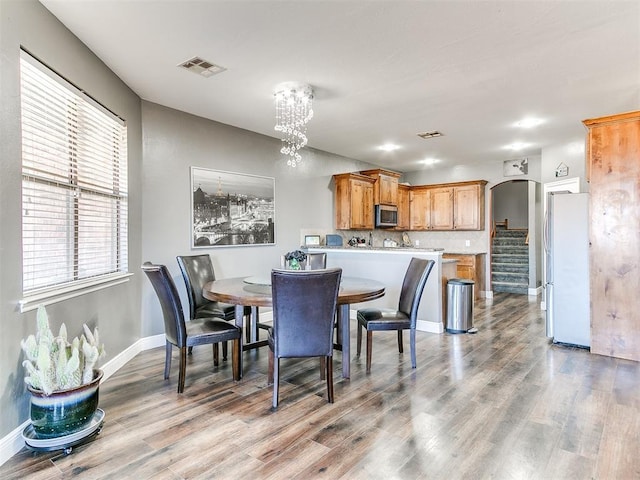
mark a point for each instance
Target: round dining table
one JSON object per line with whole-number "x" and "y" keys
{"x": 256, "y": 292}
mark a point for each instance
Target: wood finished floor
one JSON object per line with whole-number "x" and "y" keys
{"x": 501, "y": 404}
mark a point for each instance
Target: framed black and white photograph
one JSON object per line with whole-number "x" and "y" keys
{"x": 231, "y": 209}
{"x": 515, "y": 167}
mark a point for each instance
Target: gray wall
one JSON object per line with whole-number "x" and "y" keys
{"x": 510, "y": 201}
{"x": 173, "y": 142}
{"x": 571, "y": 153}
{"x": 115, "y": 310}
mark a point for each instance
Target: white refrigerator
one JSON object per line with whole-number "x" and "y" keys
{"x": 566, "y": 244}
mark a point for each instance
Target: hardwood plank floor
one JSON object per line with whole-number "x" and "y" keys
{"x": 502, "y": 404}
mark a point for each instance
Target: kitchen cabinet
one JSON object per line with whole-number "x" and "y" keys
{"x": 419, "y": 208}
{"x": 353, "y": 201}
{"x": 470, "y": 266}
{"x": 445, "y": 207}
{"x": 613, "y": 170}
{"x": 468, "y": 206}
{"x": 385, "y": 188}
{"x": 404, "y": 209}
{"x": 441, "y": 209}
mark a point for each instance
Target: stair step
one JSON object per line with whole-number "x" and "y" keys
{"x": 509, "y": 258}
{"x": 521, "y": 249}
{"x": 509, "y": 267}
{"x": 506, "y": 287}
{"x": 500, "y": 232}
{"x": 509, "y": 241}
{"x": 511, "y": 277}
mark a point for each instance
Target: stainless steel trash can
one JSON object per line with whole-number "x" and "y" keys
{"x": 459, "y": 305}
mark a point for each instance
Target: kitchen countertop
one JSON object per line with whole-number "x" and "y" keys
{"x": 394, "y": 249}
{"x": 367, "y": 247}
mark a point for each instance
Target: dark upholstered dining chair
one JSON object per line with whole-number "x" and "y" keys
{"x": 200, "y": 331}
{"x": 404, "y": 318}
{"x": 304, "y": 307}
{"x": 197, "y": 270}
{"x": 315, "y": 261}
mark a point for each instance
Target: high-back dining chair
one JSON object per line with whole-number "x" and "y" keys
{"x": 315, "y": 261}
{"x": 304, "y": 307}
{"x": 404, "y": 318}
{"x": 197, "y": 270}
{"x": 200, "y": 331}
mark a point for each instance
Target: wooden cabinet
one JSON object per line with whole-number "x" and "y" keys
{"x": 441, "y": 208}
{"x": 470, "y": 267}
{"x": 419, "y": 208}
{"x": 454, "y": 206}
{"x": 468, "y": 206}
{"x": 404, "y": 209}
{"x": 353, "y": 201}
{"x": 613, "y": 166}
{"x": 385, "y": 189}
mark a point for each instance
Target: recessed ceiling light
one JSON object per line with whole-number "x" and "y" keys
{"x": 517, "y": 146}
{"x": 430, "y": 161}
{"x": 388, "y": 147}
{"x": 529, "y": 122}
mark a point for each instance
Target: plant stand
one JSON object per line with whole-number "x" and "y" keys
{"x": 66, "y": 442}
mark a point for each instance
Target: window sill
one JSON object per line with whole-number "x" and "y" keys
{"x": 31, "y": 302}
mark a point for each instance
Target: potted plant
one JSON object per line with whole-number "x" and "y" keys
{"x": 295, "y": 258}
{"x": 62, "y": 378}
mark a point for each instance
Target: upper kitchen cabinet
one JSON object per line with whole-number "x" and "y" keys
{"x": 450, "y": 206}
{"x": 404, "y": 209}
{"x": 385, "y": 188}
{"x": 354, "y": 201}
{"x": 468, "y": 206}
{"x": 419, "y": 208}
{"x": 441, "y": 208}
{"x": 613, "y": 166}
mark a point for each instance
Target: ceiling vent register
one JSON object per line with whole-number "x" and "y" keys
{"x": 202, "y": 67}
{"x": 431, "y": 134}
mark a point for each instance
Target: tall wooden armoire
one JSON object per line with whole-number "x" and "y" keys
{"x": 613, "y": 171}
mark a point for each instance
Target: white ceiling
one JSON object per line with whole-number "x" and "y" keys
{"x": 382, "y": 71}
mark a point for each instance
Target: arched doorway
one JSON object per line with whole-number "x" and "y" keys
{"x": 516, "y": 237}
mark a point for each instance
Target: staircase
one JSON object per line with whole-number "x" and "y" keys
{"x": 509, "y": 261}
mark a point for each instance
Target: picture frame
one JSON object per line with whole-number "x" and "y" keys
{"x": 312, "y": 240}
{"x": 230, "y": 209}
{"x": 515, "y": 167}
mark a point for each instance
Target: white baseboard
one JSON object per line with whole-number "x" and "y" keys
{"x": 120, "y": 360}
{"x": 534, "y": 292}
{"x": 13, "y": 442}
{"x": 431, "y": 327}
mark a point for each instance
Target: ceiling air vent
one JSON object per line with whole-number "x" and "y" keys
{"x": 431, "y": 134}
{"x": 202, "y": 67}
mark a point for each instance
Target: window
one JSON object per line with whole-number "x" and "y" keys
{"x": 74, "y": 186}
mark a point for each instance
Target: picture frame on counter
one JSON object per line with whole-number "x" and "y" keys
{"x": 312, "y": 240}
{"x": 231, "y": 209}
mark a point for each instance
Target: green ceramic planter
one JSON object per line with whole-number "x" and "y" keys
{"x": 66, "y": 411}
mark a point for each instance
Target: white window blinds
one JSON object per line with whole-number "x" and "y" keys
{"x": 74, "y": 183}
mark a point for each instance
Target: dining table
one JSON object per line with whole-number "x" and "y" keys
{"x": 255, "y": 292}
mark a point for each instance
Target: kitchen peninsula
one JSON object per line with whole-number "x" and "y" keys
{"x": 388, "y": 265}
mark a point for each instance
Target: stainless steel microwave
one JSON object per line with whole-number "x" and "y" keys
{"x": 386, "y": 216}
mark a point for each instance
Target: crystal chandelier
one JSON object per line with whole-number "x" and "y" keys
{"x": 293, "y": 111}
